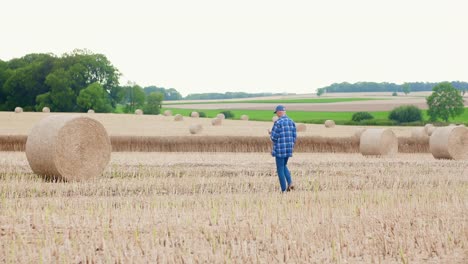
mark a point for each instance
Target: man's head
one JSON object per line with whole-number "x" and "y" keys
{"x": 280, "y": 111}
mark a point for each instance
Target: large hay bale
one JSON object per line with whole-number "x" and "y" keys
{"x": 195, "y": 129}
{"x": 45, "y": 109}
{"x": 275, "y": 118}
{"x": 68, "y": 147}
{"x": 419, "y": 134}
{"x": 18, "y": 110}
{"x": 449, "y": 143}
{"x": 358, "y": 132}
{"x": 90, "y": 111}
{"x": 168, "y": 113}
{"x": 138, "y": 112}
{"x": 378, "y": 142}
{"x": 431, "y": 130}
{"x": 216, "y": 121}
{"x": 329, "y": 123}
{"x": 195, "y": 115}
{"x": 301, "y": 128}
{"x": 178, "y": 117}
{"x": 244, "y": 117}
{"x": 221, "y": 116}
{"x": 427, "y": 127}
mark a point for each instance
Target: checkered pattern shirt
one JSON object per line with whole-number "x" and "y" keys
{"x": 283, "y": 135}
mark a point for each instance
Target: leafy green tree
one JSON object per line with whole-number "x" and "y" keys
{"x": 153, "y": 104}
{"x": 26, "y": 82}
{"x": 94, "y": 97}
{"x": 359, "y": 116}
{"x": 406, "y": 88}
{"x": 444, "y": 102}
{"x": 134, "y": 98}
{"x": 62, "y": 98}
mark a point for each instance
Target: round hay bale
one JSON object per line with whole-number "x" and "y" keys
{"x": 221, "y": 116}
{"x": 275, "y": 118}
{"x": 45, "y": 109}
{"x": 178, "y": 117}
{"x": 138, "y": 112}
{"x": 329, "y": 123}
{"x": 194, "y": 115}
{"x": 358, "y": 132}
{"x": 168, "y": 113}
{"x": 301, "y": 128}
{"x": 68, "y": 147}
{"x": 449, "y": 143}
{"x": 195, "y": 129}
{"x": 419, "y": 134}
{"x": 431, "y": 130}
{"x": 18, "y": 110}
{"x": 244, "y": 117}
{"x": 216, "y": 121}
{"x": 378, "y": 142}
{"x": 461, "y": 125}
{"x": 427, "y": 127}
{"x": 90, "y": 111}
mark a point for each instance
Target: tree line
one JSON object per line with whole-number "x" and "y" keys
{"x": 346, "y": 87}
{"x": 74, "y": 82}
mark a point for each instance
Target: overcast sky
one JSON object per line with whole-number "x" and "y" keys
{"x": 249, "y": 45}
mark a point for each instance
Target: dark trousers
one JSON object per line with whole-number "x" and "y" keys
{"x": 283, "y": 173}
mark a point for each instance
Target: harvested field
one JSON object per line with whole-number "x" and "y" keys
{"x": 221, "y": 207}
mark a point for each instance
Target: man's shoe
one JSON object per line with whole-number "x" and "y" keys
{"x": 290, "y": 188}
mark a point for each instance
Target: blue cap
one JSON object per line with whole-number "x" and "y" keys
{"x": 279, "y": 108}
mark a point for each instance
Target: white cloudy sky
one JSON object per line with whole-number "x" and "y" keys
{"x": 249, "y": 45}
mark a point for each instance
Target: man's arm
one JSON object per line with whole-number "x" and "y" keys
{"x": 275, "y": 132}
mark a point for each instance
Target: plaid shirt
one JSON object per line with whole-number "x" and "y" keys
{"x": 283, "y": 135}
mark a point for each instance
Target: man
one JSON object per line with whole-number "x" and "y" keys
{"x": 283, "y": 136}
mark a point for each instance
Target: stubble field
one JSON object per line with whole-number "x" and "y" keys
{"x": 197, "y": 207}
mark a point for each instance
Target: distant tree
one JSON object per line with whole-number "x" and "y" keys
{"x": 405, "y": 114}
{"x": 228, "y": 114}
{"x": 394, "y": 94}
{"x": 444, "y": 102}
{"x": 320, "y": 91}
{"x": 359, "y": 116}
{"x": 406, "y": 88}
{"x": 153, "y": 103}
{"x": 94, "y": 97}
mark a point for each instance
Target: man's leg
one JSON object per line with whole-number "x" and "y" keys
{"x": 281, "y": 174}
{"x": 287, "y": 174}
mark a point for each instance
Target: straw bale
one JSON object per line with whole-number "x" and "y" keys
{"x": 90, "y": 111}
{"x": 138, "y": 112}
{"x": 220, "y": 116}
{"x": 195, "y": 114}
{"x": 216, "y": 121}
{"x": 168, "y": 113}
{"x": 449, "y": 143}
{"x": 419, "y": 134}
{"x": 18, "y": 110}
{"x": 45, "y": 109}
{"x": 301, "y": 128}
{"x": 378, "y": 142}
{"x": 358, "y": 132}
{"x": 68, "y": 147}
{"x": 431, "y": 130}
{"x": 274, "y": 119}
{"x": 244, "y": 117}
{"x": 427, "y": 127}
{"x": 178, "y": 117}
{"x": 329, "y": 123}
{"x": 195, "y": 129}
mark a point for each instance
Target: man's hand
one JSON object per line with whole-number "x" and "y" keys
{"x": 269, "y": 131}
